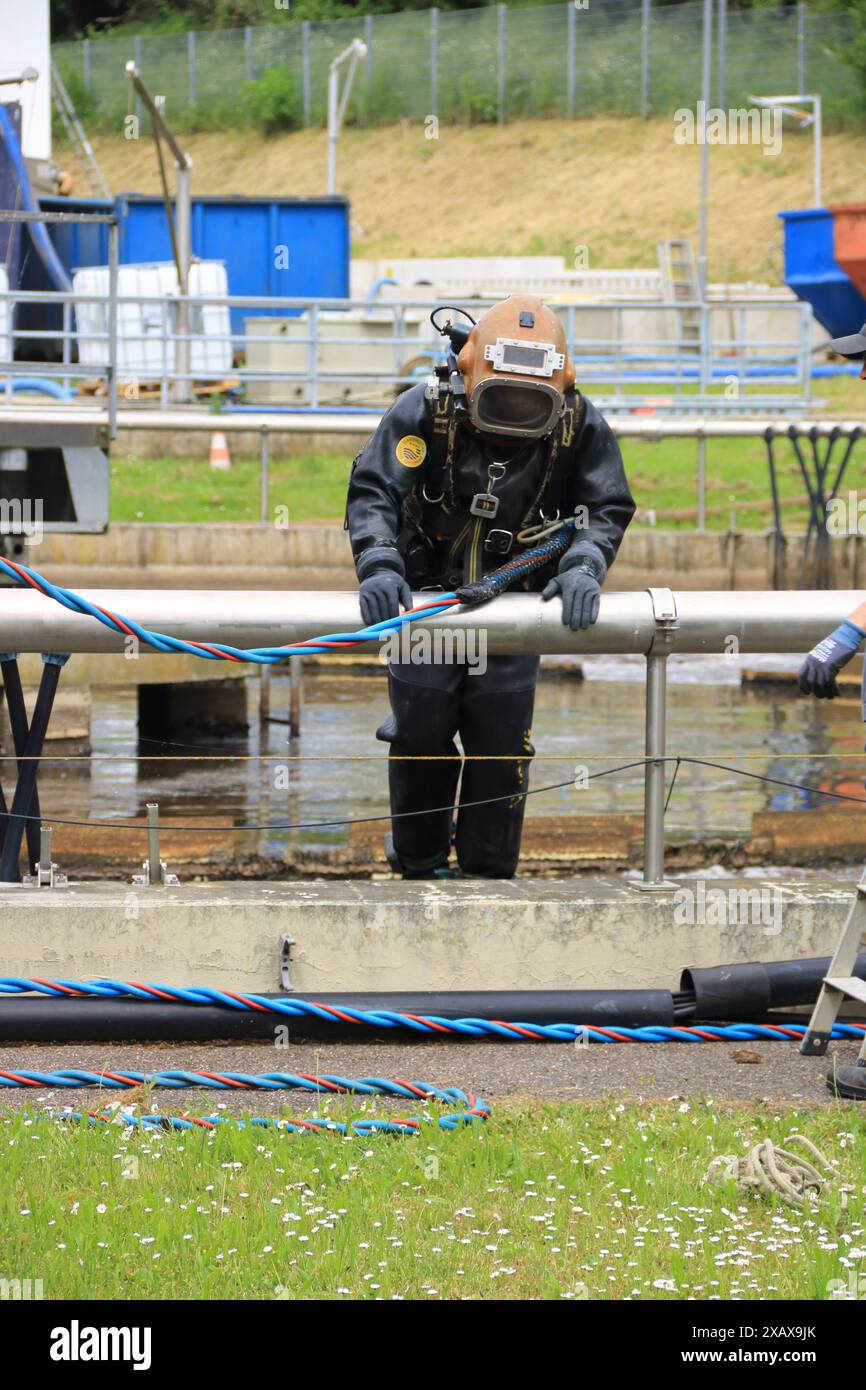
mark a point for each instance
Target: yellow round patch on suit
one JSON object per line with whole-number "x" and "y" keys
{"x": 411, "y": 451}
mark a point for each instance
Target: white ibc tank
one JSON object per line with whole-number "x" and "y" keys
{"x": 147, "y": 317}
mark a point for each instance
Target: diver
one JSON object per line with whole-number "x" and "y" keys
{"x": 465, "y": 472}
{"x": 817, "y": 676}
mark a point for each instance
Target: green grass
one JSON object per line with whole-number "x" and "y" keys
{"x": 172, "y": 489}
{"x": 545, "y": 1201}
{"x": 663, "y": 478}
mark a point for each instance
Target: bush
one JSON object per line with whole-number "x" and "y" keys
{"x": 273, "y": 102}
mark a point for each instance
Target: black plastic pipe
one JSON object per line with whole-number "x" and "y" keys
{"x": 745, "y": 991}
{"x": 26, "y": 1018}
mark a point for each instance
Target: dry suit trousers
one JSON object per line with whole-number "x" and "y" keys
{"x": 491, "y": 713}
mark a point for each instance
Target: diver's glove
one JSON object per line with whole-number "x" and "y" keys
{"x": 579, "y": 584}
{"x": 383, "y": 584}
{"x": 817, "y": 675}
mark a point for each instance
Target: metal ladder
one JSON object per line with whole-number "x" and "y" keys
{"x": 680, "y": 284}
{"x": 76, "y": 134}
{"x": 840, "y": 982}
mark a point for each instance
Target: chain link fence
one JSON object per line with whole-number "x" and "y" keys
{"x": 493, "y": 64}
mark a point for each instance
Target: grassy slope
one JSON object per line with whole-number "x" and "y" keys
{"x": 534, "y": 187}
{"x": 546, "y": 1201}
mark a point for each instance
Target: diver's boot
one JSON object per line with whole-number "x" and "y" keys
{"x": 436, "y": 867}
{"x": 848, "y": 1083}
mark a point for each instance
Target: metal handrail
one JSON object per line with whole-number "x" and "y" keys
{"x": 654, "y": 623}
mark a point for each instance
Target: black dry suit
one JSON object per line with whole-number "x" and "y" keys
{"x": 408, "y": 510}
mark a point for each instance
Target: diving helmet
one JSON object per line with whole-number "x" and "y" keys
{"x": 516, "y": 369}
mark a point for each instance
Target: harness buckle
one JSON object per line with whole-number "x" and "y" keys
{"x": 485, "y": 505}
{"x": 498, "y": 541}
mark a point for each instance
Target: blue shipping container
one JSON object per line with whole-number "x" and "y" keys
{"x": 297, "y": 247}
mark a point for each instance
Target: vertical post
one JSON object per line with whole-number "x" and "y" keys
{"x": 85, "y": 63}
{"x": 190, "y": 62}
{"x": 264, "y": 702}
{"x": 112, "y": 327}
{"x": 248, "y": 51}
{"x": 333, "y": 81}
{"x": 154, "y": 866}
{"x": 183, "y": 221}
{"x": 801, "y": 47}
{"x": 702, "y": 481}
{"x": 305, "y": 67}
{"x": 368, "y": 39}
{"x": 570, "y": 41}
{"x": 434, "y": 62}
{"x": 314, "y": 356}
{"x": 723, "y": 52}
{"x": 265, "y": 460}
{"x": 706, "y": 98}
{"x": 137, "y": 55}
{"x": 295, "y": 695}
{"x": 501, "y": 12}
{"x": 654, "y": 772}
{"x": 644, "y": 58}
{"x": 816, "y": 107}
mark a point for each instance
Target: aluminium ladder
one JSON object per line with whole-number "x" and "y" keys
{"x": 840, "y": 982}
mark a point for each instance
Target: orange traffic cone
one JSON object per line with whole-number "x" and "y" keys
{"x": 219, "y": 451}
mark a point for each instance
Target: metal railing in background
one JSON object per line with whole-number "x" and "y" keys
{"x": 491, "y": 64}
{"x": 655, "y": 624}
{"x": 328, "y": 353}
{"x": 65, "y": 369}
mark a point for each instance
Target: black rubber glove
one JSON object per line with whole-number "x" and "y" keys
{"x": 580, "y": 595}
{"x": 817, "y": 675}
{"x": 382, "y": 592}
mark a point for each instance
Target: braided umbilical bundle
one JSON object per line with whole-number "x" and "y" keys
{"x": 490, "y": 585}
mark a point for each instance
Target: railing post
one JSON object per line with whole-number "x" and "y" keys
{"x": 112, "y": 372}
{"x": 265, "y": 460}
{"x": 702, "y": 481}
{"x": 665, "y": 615}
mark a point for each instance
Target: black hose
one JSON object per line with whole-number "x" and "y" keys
{"x": 29, "y": 1019}
{"x": 750, "y": 989}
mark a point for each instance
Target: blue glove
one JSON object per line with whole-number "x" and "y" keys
{"x": 817, "y": 675}
{"x": 382, "y": 592}
{"x": 580, "y": 591}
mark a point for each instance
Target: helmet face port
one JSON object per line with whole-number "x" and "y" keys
{"x": 527, "y": 409}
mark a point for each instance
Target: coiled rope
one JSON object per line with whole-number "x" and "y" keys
{"x": 767, "y": 1168}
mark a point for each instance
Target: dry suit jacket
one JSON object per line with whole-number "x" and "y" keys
{"x": 436, "y": 538}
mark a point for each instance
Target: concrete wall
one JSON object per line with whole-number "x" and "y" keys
{"x": 315, "y": 555}
{"x": 557, "y": 934}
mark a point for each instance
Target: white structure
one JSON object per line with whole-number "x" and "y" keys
{"x": 147, "y": 320}
{"x": 5, "y": 319}
{"x": 25, "y": 42}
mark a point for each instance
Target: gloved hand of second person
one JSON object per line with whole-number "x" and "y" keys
{"x": 580, "y": 595}
{"x": 817, "y": 675}
{"x": 382, "y": 592}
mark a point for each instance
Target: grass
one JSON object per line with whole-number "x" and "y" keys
{"x": 604, "y": 1200}
{"x": 510, "y": 190}
{"x": 663, "y": 478}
